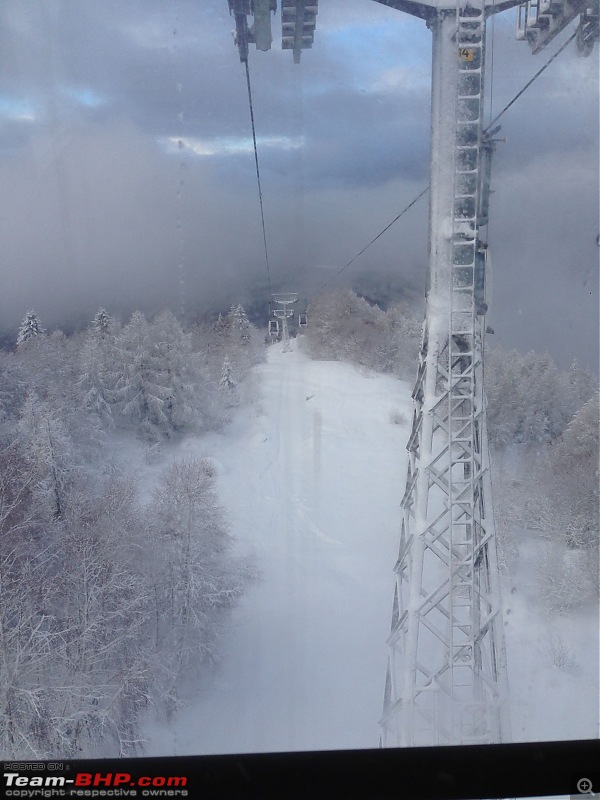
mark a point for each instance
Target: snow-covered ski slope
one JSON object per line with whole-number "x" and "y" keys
{"x": 312, "y": 479}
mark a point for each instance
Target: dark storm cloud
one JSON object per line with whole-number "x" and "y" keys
{"x": 392, "y": 142}
{"x": 174, "y": 70}
{"x": 139, "y": 58}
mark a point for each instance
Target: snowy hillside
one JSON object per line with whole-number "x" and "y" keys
{"x": 312, "y": 478}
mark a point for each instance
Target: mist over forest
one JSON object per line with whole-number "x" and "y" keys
{"x": 126, "y": 157}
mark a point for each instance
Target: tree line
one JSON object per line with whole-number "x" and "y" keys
{"x": 107, "y": 600}
{"x": 542, "y": 426}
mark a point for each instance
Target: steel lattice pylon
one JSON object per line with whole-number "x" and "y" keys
{"x": 446, "y": 678}
{"x": 285, "y": 300}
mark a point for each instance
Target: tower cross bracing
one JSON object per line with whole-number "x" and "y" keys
{"x": 446, "y": 678}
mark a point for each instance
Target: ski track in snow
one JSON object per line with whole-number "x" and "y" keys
{"x": 312, "y": 480}
{"x": 310, "y": 486}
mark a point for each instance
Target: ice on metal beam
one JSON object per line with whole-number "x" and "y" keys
{"x": 539, "y": 21}
{"x": 298, "y": 23}
{"x": 262, "y": 23}
{"x": 426, "y": 9}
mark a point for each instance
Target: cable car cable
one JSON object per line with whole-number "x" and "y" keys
{"x": 260, "y": 199}
{"x": 387, "y": 227}
{"x": 529, "y": 82}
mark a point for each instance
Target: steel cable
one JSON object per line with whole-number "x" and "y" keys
{"x": 260, "y": 198}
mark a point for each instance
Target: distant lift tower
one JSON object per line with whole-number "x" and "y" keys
{"x": 285, "y": 300}
{"x": 446, "y": 680}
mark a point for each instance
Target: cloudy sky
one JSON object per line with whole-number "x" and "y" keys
{"x": 127, "y": 177}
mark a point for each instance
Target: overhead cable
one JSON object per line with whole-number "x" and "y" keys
{"x": 260, "y": 199}
{"x": 529, "y": 82}
{"x": 387, "y": 227}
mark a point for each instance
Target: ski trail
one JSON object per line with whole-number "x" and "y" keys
{"x": 303, "y": 513}
{"x": 312, "y": 489}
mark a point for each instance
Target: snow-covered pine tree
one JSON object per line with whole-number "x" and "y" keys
{"x": 221, "y": 326}
{"x": 138, "y": 391}
{"x": 344, "y": 326}
{"x": 581, "y": 385}
{"x": 399, "y": 340}
{"x": 575, "y": 465}
{"x": 240, "y": 323}
{"x": 568, "y": 575}
{"x": 228, "y": 384}
{"x": 530, "y": 401}
{"x": 28, "y": 639}
{"x": 187, "y": 401}
{"x": 102, "y": 609}
{"x": 102, "y": 323}
{"x": 48, "y": 365}
{"x": 244, "y": 346}
{"x": 94, "y": 381}
{"x": 227, "y": 380}
{"x": 30, "y": 329}
{"x": 50, "y": 452}
{"x": 213, "y": 343}
{"x": 12, "y": 378}
{"x": 159, "y": 382}
{"x": 196, "y": 575}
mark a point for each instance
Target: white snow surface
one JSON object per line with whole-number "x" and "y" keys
{"x": 311, "y": 478}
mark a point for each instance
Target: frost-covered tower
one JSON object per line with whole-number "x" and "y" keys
{"x": 446, "y": 681}
{"x": 446, "y": 678}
